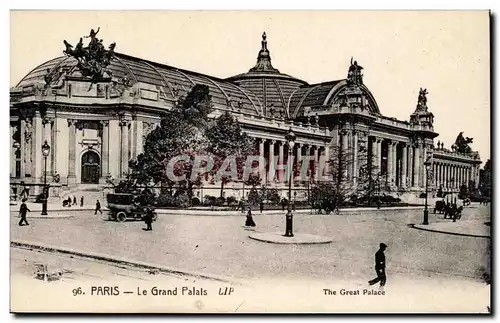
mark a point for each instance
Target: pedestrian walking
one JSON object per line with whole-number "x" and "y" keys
{"x": 249, "y": 222}
{"x": 81, "y": 201}
{"x": 148, "y": 219}
{"x": 22, "y": 212}
{"x": 380, "y": 266}
{"x": 293, "y": 206}
{"x": 261, "y": 206}
{"x": 97, "y": 207}
{"x": 74, "y": 200}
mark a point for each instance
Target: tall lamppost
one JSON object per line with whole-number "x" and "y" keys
{"x": 427, "y": 165}
{"x": 45, "y": 152}
{"x": 290, "y": 138}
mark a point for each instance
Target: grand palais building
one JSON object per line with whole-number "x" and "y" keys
{"x": 94, "y": 107}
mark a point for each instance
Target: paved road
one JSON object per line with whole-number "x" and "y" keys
{"x": 220, "y": 245}
{"x": 426, "y": 262}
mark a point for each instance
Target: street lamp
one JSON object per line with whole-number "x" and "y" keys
{"x": 45, "y": 152}
{"x": 427, "y": 164}
{"x": 290, "y": 138}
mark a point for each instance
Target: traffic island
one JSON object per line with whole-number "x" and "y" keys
{"x": 298, "y": 238}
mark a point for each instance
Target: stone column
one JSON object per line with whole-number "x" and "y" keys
{"x": 114, "y": 159}
{"x": 47, "y": 136}
{"x": 438, "y": 175}
{"x": 316, "y": 156}
{"x": 326, "y": 161}
{"x": 298, "y": 163}
{"x": 36, "y": 151}
{"x": 12, "y": 152}
{"x": 416, "y": 169}
{"x": 379, "y": 154}
{"x": 262, "y": 174}
{"x": 281, "y": 160}
{"x": 124, "y": 124}
{"x": 395, "y": 163}
{"x": 23, "y": 148}
{"x": 105, "y": 150}
{"x": 71, "y": 149}
{"x": 404, "y": 165}
{"x": 139, "y": 138}
{"x": 410, "y": 165}
{"x": 272, "y": 172}
{"x": 390, "y": 163}
{"x": 133, "y": 139}
{"x": 355, "y": 159}
{"x": 445, "y": 175}
{"x": 345, "y": 146}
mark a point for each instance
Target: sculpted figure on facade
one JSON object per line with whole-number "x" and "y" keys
{"x": 461, "y": 144}
{"x": 354, "y": 76}
{"x": 422, "y": 98}
{"x": 93, "y": 59}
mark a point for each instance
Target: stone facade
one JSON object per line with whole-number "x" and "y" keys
{"x": 95, "y": 127}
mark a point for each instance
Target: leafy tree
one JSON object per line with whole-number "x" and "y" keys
{"x": 226, "y": 139}
{"x": 485, "y": 179}
{"x": 180, "y": 133}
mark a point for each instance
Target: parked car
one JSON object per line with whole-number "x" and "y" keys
{"x": 123, "y": 206}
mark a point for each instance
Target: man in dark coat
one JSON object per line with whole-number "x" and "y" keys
{"x": 148, "y": 218}
{"x": 380, "y": 266}
{"x": 261, "y": 206}
{"x": 97, "y": 207}
{"x": 22, "y": 212}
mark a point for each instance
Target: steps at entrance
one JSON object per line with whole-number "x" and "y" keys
{"x": 90, "y": 193}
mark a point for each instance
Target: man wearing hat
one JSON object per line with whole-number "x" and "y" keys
{"x": 380, "y": 266}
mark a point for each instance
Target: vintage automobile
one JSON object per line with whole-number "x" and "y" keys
{"x": 123, "y": 206}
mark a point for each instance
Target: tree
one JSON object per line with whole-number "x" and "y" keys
{"x": 181, "y": 132}
{"x": 227, "y": 140}
{"x": 338, "y": 186}
{"x": 368, "y": 180}
{"x": 485, "y": 179}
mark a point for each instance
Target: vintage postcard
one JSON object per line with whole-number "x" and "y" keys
{"x": 250, "y": 161}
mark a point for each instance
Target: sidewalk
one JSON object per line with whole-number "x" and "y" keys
{"x": 52, "y": 207}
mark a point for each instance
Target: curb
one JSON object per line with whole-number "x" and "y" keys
{"x": 121, "y": 261}
{"x": 298, "y": 239}
{"x": 418, "y": 227}
{"x": 47, "y": 217}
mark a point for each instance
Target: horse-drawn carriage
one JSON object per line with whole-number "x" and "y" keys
{"x": 123, "y": 206}
{"x": 448, "y": 210}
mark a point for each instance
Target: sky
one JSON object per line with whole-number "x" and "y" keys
{"x": 445, "y": 52}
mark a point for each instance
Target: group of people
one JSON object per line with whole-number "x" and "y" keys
{"x": 72, "y": 201}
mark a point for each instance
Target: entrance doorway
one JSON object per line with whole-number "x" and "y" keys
{"x": 91, "y": 167}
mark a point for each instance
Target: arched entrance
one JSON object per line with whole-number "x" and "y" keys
{"x": 91, "y": 167}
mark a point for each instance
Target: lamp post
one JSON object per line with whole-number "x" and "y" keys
{"x": 45, "y": 152}
{"x": 290, "y": 138}
{"x": 427, "y": 164}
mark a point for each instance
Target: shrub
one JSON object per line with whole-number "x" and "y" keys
{"x": 232, "y": 200}
{"x": 273, "y": 196}
{"x": 219, "y": 201}
{"x": 181, "y": 201}
{"x": 195, "y": 201}
{"x": 209, "y": 200}
{"x": 164, "y": 200}
{"x": 253, "y": 197}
